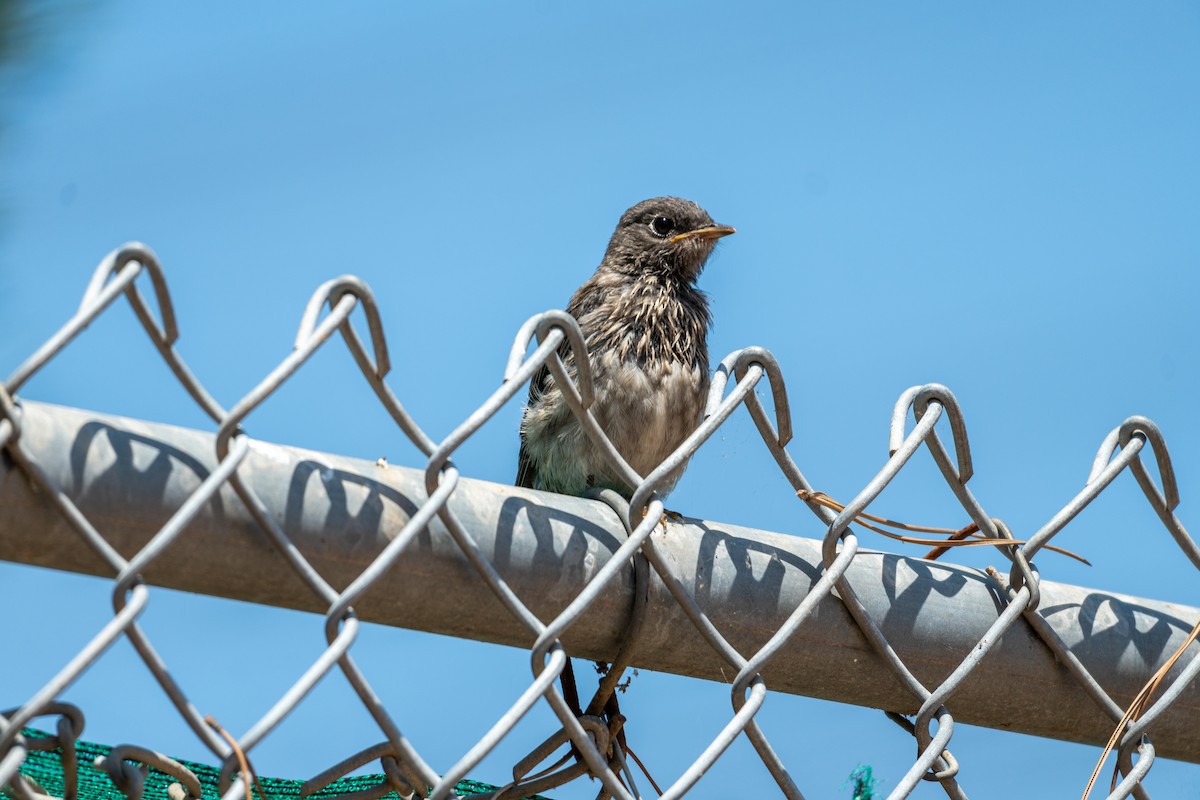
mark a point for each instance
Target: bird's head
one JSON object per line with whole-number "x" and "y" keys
{"x": 664, "y": 235}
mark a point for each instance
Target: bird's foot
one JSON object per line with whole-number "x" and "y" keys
{"x": 667, "y": 516}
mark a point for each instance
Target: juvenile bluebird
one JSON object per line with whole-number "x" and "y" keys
{"x": 646, "y": 328}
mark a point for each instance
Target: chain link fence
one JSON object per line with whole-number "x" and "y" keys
{"x": 591, "y": 743}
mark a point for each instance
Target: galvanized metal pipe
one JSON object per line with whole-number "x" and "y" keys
{"x": 129, "y": 476}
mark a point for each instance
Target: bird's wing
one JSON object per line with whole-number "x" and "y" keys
{"x": 582, "y": 301}
{"x": 526, "y": 466}
{"x": 526, "y": 469}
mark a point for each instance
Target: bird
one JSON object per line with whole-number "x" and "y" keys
{"x": 645, "y": 325}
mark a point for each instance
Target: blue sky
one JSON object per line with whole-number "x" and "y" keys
{"x": 1002, "y": 199}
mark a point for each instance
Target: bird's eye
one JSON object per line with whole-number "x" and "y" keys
{"x": 662, "y": 225}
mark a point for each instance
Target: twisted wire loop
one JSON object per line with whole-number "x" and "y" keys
{"x": 596, "y": 739}
{"x": 131, "y": 779}
{"x": 385, "y": 754}
{"x": 123, "y": 266}
{"x": 68, "y": 729}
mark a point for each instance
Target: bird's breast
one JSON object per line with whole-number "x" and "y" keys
{"x": 650, "y": 323}
{"x": 648, "y": 409}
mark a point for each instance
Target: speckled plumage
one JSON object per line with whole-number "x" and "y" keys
{"x": 646, "y": 327}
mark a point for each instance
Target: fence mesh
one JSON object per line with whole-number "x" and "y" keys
{"x": 592, "y": 742}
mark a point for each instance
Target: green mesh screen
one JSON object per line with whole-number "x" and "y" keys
{"x": 45, "y": 767}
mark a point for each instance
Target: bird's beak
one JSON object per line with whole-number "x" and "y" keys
{"x": 715, "y": 232}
